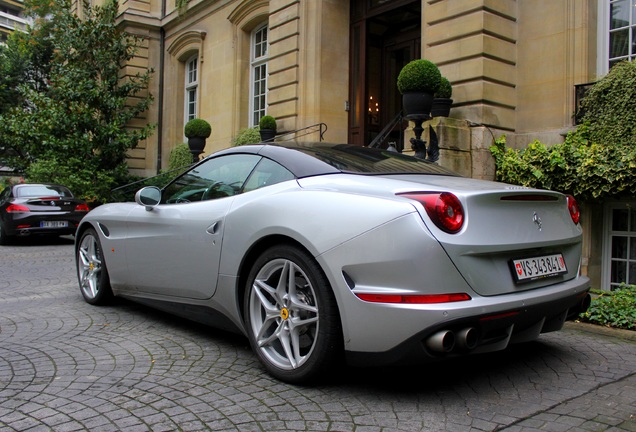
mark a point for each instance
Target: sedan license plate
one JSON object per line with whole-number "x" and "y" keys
{"x": 53, "y": 224}
{"x": 529, "y": 269}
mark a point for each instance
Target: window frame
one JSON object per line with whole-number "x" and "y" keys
{"x": 608, "y": 236}
{"x": 603, "y": 40}
{"x": 258, "y": 64}
{"x": 191, "y": 88}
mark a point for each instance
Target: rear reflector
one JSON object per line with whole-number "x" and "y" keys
{"x": 82, "y": 208}
{"x": 414, "y": 299}
{"x": 499, "y": 316}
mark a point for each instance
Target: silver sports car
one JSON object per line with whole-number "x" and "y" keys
{"x": 323, "y": 253}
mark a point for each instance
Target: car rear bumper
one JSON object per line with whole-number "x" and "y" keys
{"x": 32, "y": 225}
{"x": 480, "y": 332}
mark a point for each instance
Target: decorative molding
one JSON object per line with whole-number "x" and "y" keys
{"x": 245, "y": 9}
{"x": 187, "y": 42}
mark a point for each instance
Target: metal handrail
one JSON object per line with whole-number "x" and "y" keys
{"x": 387, "y": 130}
{"x": 322, "y": 128}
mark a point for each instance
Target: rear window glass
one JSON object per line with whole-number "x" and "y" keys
{"x": 356, "y": 159}
{"x": 43, "y": 191}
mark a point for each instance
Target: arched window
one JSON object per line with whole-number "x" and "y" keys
{"x": 191, "y": 88}
{"x": 258, "y": 76}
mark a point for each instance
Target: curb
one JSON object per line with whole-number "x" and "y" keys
{"x": 628, "y": 335}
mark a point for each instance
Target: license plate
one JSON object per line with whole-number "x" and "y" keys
{"x": 53, "y": 224}
{"x": 529, "y": 269}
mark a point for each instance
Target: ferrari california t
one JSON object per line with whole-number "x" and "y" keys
{"x": 39, "y": 209}
{"x": 325, "y": 253}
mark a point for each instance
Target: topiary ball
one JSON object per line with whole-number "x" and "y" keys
{"x": 197, "y": 128}
{"x": 419, "y": 76}
{"x": 267, "y": 122}
{"x": 445, "y": 89}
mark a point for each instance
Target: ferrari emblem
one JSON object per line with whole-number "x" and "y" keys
{"x": 284, "y": 313}
{"x": 537, "y": 220}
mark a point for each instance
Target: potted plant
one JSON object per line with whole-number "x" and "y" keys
{"x": 197, "y": 130}
{"x": 418, "y": 81}
{"x": 442, "y": 101}
{"x": 267, "y": 128}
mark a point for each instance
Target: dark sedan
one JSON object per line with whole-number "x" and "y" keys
{"x": 39, "y": 209}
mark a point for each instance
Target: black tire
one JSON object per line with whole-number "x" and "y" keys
{"x": 304, "y": 316}
{"x": 5, "y": 239}
{"x": 92, "y": 273}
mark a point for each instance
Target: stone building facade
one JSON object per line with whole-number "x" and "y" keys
{"x": 514, "y": 66}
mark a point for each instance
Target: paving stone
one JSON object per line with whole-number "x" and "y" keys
{"x": 69, "y": 366}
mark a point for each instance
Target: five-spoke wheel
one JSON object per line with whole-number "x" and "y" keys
{"x": 291, "y": 315}
{"x": 91, "y": 269}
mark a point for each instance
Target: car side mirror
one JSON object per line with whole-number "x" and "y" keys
{"x": 148, "y": 197}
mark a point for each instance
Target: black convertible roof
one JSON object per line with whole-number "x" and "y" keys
{"x": 306, "y": 159}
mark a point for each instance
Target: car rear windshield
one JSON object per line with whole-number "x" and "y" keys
{"x": 43, "y": 191}
{"x": 356, "y": 159}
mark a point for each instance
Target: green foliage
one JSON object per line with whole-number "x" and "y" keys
{"x": 445, "y": 89}
{"x": 22, "y": 63}
{"x": 81, "y": 178}
{"x": 182, "y": 6}
{"x": 197, "y": 128}
{"x": 596, "y": 161}
{"x": 576, "y": 166}
{"x": 610, "y": 109}
{"x": 613, "y": 308}
{"x": 82, "y": 112}
{"x": 180, "y": 157}
{"x": 267, "y": 122}
{"x": 419, "y": 76}
{"x": 247, "y": 136}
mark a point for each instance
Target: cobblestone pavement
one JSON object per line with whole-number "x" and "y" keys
{"x": 69, "y": 366}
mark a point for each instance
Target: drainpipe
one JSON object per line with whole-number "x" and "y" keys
{"x": 162, "y": 42}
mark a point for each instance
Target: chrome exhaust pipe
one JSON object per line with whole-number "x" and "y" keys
{"x": 468, "y": 338}
{"x": 24, "y": 232}
{"x": 443, "y": 341}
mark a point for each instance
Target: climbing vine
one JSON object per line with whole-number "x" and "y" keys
{"x": 597, "y": 160}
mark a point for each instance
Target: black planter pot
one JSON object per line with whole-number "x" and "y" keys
{"x": 267, "y": 135}
{"x": 417, "y": 103}
{"x": 441, "y": 107}
{"x": 196, "y": 145}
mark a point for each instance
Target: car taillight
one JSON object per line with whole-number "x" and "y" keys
{"x": 573, "y": 208}
{"x": 444, "y": 209}
{"x": 82, "y": 208}
{"x": 16, "y": 208}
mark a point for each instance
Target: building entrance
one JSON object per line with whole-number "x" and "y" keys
{"x": 384, "y": 37}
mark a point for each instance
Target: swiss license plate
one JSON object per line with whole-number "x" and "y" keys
{"x": 529, "y": 269}
{"x": 53, "y": 224}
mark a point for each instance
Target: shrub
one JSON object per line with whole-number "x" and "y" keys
{"x": 586, "y": 170}
{"x": 197, "y": 128}
{"x": 86, "y": 182}
{"x": 419, "y": 76}
{"x": 445, "y": 89}
{"x": 267, "y": 122}
{"x": 247, "y": 136}
{"x": 180, "y": 157}
{"x": 613, "y": 308}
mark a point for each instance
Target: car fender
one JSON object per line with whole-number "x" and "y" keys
{"x": 319, "y": 220}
